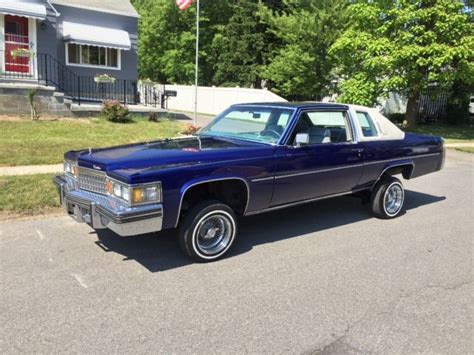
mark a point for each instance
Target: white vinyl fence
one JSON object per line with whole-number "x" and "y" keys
{"x": 212, "y": 100}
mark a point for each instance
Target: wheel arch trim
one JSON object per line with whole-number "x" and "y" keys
{"x": 191, "y": 184}
{"x": 406, "y": 163}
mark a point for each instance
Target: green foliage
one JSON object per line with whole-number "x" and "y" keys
{"x": 458, "y": 103}
{"x": 243, "y": 47}
{"x": 152, "y": 116}
{"x": 298, "y": 48}
{"x": 396, "y": 117}
{"x": 31, "y": 101}
{"x": 114, "y": 111}
{"x": 167, "y": 40}
{"x": 358, "y": 89}
{"x": 405, "y": 47}
{"x": 301, "y": 67}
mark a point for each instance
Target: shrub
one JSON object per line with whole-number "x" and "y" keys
{"x": 190, "y": 129}
{"x": 31, "y": 100}
{"x": 457, "y": 108}
{"x": 152, "y": 117}
{"x": 114, "y": 111}
{"x": 396, "y": 117}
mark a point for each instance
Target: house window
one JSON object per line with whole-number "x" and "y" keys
{"x": 92, "y": 56}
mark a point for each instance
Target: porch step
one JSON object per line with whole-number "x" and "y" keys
{"x": 24, "y": 85}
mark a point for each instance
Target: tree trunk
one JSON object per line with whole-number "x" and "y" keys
{"x": 412, "y": 109}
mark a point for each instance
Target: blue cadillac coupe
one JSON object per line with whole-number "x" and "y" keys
{"x": 250, "y": 159}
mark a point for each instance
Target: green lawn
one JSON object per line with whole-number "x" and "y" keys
{"x": 23, "y": 142}
{"x": 451, "y": 134}
{"x": 27, "y": 195}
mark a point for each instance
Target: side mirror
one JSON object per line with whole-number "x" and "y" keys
{"x": 302, "y": 139}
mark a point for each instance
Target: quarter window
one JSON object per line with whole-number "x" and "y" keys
{"x": 92, "y": 55}
{"x": 367, "y": 125}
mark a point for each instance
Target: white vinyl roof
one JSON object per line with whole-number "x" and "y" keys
{"x": 23, "y": 9}
{"x": 386, "y": 129}
{"x": 96, "y": 36}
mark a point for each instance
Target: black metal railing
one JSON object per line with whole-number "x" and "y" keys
{"x": 51, "y": 72}
{"x": 88, "y": 89}
{"x": 47, "y": 70}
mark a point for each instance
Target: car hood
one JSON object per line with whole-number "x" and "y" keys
{"x": 169, "y": 153}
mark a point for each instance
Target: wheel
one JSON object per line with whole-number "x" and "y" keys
{"x": 387, "y": 198}
{"x": 208, "y": 231}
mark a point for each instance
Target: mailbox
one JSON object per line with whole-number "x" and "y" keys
{"x": 171, "y": 93}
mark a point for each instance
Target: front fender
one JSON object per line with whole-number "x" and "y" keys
{"x": 207, "y": 179}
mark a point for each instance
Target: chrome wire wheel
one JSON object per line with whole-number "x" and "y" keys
{"x": 393, "y": 199}
{"x": 214, "y": 232}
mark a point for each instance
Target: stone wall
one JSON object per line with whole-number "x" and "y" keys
{"x": 14, "y": 101}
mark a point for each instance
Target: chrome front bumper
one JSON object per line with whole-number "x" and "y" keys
{"x": 102, "y": 212}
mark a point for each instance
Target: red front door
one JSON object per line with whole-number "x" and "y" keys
{"x": 16, "y": 36}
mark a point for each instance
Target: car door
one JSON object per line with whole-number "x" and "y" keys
{"x": 330, "y": 164}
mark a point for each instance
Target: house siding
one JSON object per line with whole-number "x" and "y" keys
{"x": 49, "y": 66}
{"x": 129, "y": 59}
{"x": 47, "y": 33}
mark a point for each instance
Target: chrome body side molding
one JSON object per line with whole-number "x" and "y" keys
{"x": 304, "y": 202}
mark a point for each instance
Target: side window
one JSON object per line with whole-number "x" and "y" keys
{"x": 323, "y": 127}
{"x": 366, "y": 124}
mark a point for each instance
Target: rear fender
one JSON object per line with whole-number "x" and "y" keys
{"x": 407, "y": 166}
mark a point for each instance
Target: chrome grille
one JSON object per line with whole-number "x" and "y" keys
{"x": 91, "y": 180}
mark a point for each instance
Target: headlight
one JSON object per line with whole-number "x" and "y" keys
{"x": 117, "y": 189}
{"x": 146, "y": 194}
{"x": 134, "y": 195}
{"x": 71, "y": 168}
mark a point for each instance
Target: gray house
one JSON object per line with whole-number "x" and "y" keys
{"x": 86, "y": 49}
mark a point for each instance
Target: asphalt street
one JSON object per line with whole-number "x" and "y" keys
{"x": 325, "y": 278}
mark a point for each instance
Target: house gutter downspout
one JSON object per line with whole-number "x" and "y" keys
{"x": 54, "y": 9}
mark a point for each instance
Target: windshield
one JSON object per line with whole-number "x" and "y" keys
{"x": 260, "y": 124}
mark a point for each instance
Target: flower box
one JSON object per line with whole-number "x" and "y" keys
{"x": 104, "y": 79}
{"x": 21, "y": 53}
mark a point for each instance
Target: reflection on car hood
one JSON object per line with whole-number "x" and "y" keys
{"x": 170, "y": 153}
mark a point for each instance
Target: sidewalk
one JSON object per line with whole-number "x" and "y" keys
{"x": 30, "y": 169}
{"x": 459, "y": 145}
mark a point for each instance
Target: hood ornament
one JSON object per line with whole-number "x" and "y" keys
{"x": 96, "y": 167}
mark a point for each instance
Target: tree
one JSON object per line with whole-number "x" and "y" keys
{"x": 242, "y": 46}
{"x": 167, "y": 40}
{"x": 405, "y": 46}
{"x": 301, "y": 68}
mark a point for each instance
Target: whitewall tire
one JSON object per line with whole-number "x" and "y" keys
{"x": 208, "y": 231}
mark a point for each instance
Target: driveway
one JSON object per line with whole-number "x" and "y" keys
{"x": 317, "y": 279}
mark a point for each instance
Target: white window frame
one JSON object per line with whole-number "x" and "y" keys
{"x": 119, "y": 59}
{"x": 32, "y": 44}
